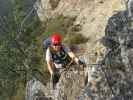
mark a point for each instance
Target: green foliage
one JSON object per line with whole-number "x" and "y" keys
{"x": 64, "y": 25}
{"x": 9, "y": 61}
{"x": 74, "y": 39}
{"x": 59, "y": 24}
{"x": 26, "y": 50}
{"x": 14, "y": 57}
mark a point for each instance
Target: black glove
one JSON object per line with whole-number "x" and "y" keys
{"x": 81, "y": 63}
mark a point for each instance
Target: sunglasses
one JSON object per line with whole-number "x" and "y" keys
{"x": 56, "y": 44}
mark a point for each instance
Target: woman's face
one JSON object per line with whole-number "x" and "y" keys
{"x": 56, "y": 47}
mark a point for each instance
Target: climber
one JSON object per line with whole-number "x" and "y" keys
{"x": 58, "y": 56}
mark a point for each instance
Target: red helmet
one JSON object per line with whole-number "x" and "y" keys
{"x": 56, "y": 38}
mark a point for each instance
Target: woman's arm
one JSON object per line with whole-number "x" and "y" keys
{"x": 73, "y": 56}
{"x": 49, "y": 61}
{"x": 50, "y": 66}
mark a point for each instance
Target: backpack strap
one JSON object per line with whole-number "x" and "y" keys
{"x": 64, "y": 58}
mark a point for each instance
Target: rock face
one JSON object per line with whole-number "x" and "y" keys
{"x": 36, "y": 90}
{"x": 70, "y": 85}
{"x": 91, "y": 16}
{"x": 68, "y": 88}
{"x": 111, "y": 78}
{"x": 116, "y": 73}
